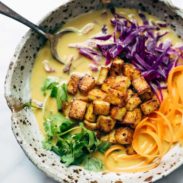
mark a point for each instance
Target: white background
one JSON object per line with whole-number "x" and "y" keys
{"x": 14, "y": 166}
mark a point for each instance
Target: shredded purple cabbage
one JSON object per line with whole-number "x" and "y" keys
{"x": 91, "y": 54}
{"x": 140, "y": 45}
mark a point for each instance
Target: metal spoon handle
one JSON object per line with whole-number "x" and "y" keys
{"x": 5, "y": 10}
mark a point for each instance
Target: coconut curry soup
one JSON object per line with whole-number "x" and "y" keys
{"x": 116, "y": 103}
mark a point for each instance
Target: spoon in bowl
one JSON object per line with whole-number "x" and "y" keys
{"x": 53, "y": 38}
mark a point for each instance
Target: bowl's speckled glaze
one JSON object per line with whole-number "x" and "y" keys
{"x": 17, "y": 91}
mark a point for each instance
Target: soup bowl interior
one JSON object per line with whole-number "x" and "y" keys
{"x": 17, "y": 92}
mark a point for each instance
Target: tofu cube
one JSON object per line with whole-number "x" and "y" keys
{"x": 96, "y": 94}
{"x": 77, "y": 109}
{"x": 124, "y": 135}
{"x": 118, "y": 113}
{"x": 86, "y": 83}
{"x": 132, "y": 118}
{"x": 121, "y": 83}
{"x": 108, "y": 84}
{"x": 140, "y": 85}
{"x": 109, "y": 137}
{"x": 105, "y": 123}
{"x": 90, "y": 116}
{"x": 72, "y": 86}
{"x": 101, "y": 107}
{"x": 82, "y": 98}
{"x": 115, "y": 97}
{"x": 116, "y": 67}
{"x": 147, "y": 95}
{"x": 129, "y": 94}
{"x": 89, "y": 125}
{"x": 102, "y": 75}
{"x": 130, "y": 71}
{"x": 133, "y": 102}
{"x": 66, "y": 108}
{"x": 149, "y": 106}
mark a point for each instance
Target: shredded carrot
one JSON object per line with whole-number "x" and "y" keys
{"x": 160, "y": 131}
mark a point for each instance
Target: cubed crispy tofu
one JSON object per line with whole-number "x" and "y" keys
{"x": 101, "y": 107}
{"x": 90, "y": 116}
{"x": 130, "y": 71}
{"x": 108, "y": 84}
{"x": 115, "y": 97}
{"x": 118, "y": 113}
{"x": 96, "y": 94}
{"x": 124, "y": 135}
{"x": 82, "y": 98}
{"x": 140, "y": 85}
{"x": 133, "y": 102}
{"x": 102, "y": 75}
{"x": 130, "y": 150}
{"x": 116, "y": 67}
{"x": 89, "y": 125}
{"x": 149, "y": 106}
{"x": 109, "y": 137}
{"x": 132, "y": 118}
{"x": 66, "y": 108}
{"x": 72, "y": 86}
{"x": 86, "y": 83}
{"x": 121, "y": 83}
{"x": 129, "y": 94}
{"x": 147, "y": 95}
{"x": 77, "y": 109}
{"x": 105, "y": 123}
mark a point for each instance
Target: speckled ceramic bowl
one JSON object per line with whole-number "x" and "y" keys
{"x": 17, "y": 91}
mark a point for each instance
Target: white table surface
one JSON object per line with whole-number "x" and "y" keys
{"x": 14, "y": 165}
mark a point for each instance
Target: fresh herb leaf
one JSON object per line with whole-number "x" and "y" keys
{"x": 34, "y": 104}
{"x": 57, "y": 124}
{"x": 75, "y": 148}
{"x": 103, "y": 146}
{"x": 58, "y": 91}
{"x": 92, "y": 164}
{"x": 49, "y": 84}
{"x": 61, "y": 95}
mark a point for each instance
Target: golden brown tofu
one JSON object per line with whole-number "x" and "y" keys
{"x": 149, "y": 106}
{"x": 89, "y": 125}
{"x": 86, "y": 83}
{"x": 77, "y": 109}
{"x": 121, "y": 83}
{"x": 96, "y": 94}
{"x": 147, "y": 95}
{"x": 101, "y": 107}
{"x": 130, "y": 71}
{"x": 102, "y": 75}
{"x": 116, "y": 67}
{"x": 140, "y": 85}
{"x": 90, "y": 116}
{"x": 72, "y": 86}
{"x": 108, "y": 84}
{"x": 82, "y": 98}
{"x": 118, "y": 113}
{"x": 105, "y": 123}
{"x": 109, "y": 137}
{"x": 132, "y": 118}
{"x": 133, "y": 102}
{"x": 115, "y": 97}
{"x": 129, "y": 94}
{"x": 66, "y": 108}
{"x": 124, "y": 135}
{"x": 130, "y": 150}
